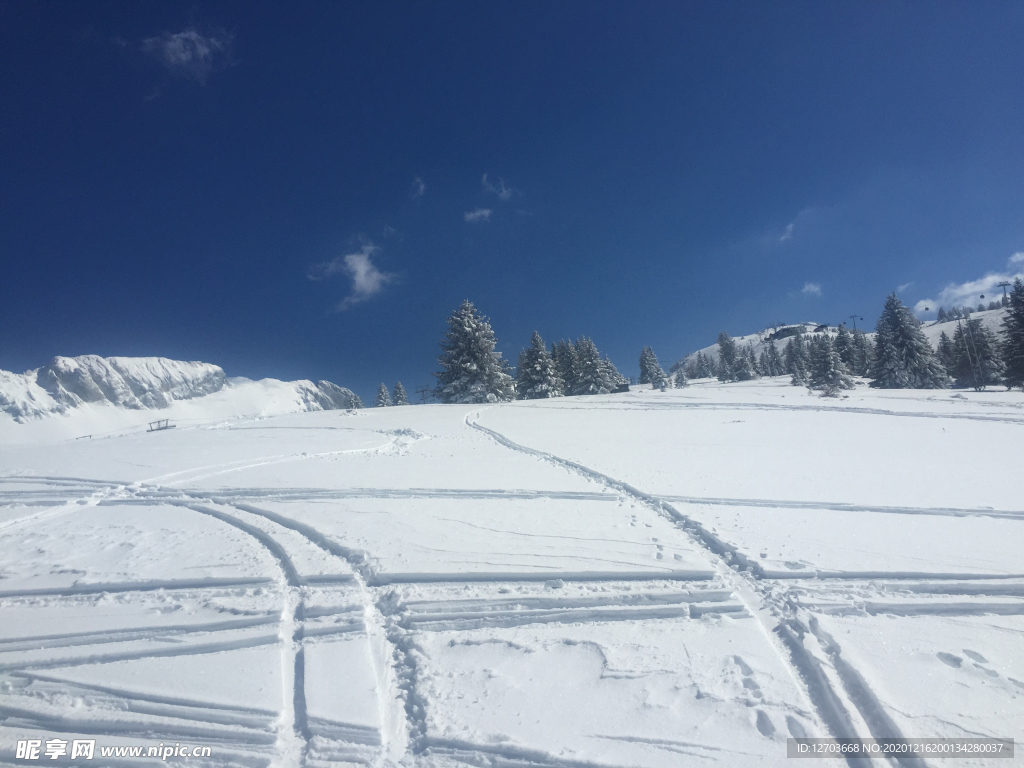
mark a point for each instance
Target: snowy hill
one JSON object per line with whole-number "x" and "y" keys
{"x": 66, "y": 384}
{"x": 781, "y": 335}
{"x": 991, "y": 319}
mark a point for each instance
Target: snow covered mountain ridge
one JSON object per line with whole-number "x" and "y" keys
{"x": 136, "y": 383}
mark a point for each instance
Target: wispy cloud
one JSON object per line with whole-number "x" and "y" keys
{"x": 418, "y": 188}
{"x": 190, "y": 53}
{"x": 502, "y": 190}
{"x": 1017, "y": 258}
{"x": 480, "y": 214}
{"x": 969, "y": 293}
{"x": 367, "y": 280}
{"x": 811, "y": 289}
{"x": 902, "y": 288}
{"x": 788, "y": 234}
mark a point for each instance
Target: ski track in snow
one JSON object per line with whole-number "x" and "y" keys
{"x": 784, "y": 607}
{"x": 847, "y": 705}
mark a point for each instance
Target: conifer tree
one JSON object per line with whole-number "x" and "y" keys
{"x": 728, "y": 357}
{"x": 827, "y": 371}
{"x": 816, "y": 359}
{"x": 617, "y": 379}
{"x": 399, "y": 397}
{"x": 903, "y": 357}
{"x": 536, "y": 376}
{"x": 772, "y": 365}
{"x": 651, "y": 371}
{"x": 1013, "y": 337}
{"x": 742, "y": 370}
{"x": 702, "y": 367}
{"x": 471, "y": 371}
{"x": 594, "y": 377}
{"x": 796, "y": 360}
{"x": 942, "y": 316}
{"x": 563, "y": 354}
{"x": 383, "y": 398}
{"x": 976, "y": 359}
{"x": 660, "y": 380}
{"x": 679, "y": 378}
{"x": 946, "y": 353}
{"x": 752, "y": 362}
{"x": 865, "y": 354}
{"x": 713, "y": 366}
{"x": 844, "y": 347}
{"x": 648, "y": 365}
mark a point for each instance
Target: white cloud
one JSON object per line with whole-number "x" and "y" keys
{"x": 1017, "y": 258}
{"x": 367, "y": 280}
{"x": 503, "y": 191}
{"x": 418, "y": 188}
{"x": 811, "y": 289}
{"x": 968, "y": 294}
{"x": 189, "y": 53}
{"x": 480, "y": 214}
{"x": 904, "y": 287}
{"x": 788, "y": 234}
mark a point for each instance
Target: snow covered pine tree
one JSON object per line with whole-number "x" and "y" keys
{"x": 903, "y": 357}
{"x": 471, "y": 371}
{"x": 796, "y": 360}
{"x": 704, "y": 369}
{"x": 771, "y": 362}
{"x": 383, "y": 398}
{"x": 727, "y": 354}
{"x": 617, "y": 379}
{"x": 594, "y": 376}
{"x": 865, "y": 357}
{"x": 399, "y": 396}
{"x": 946, "y": 353}
{"x": 827, "y": 372}
{"x": 976, "y": 359}
{"x": 563, "y": 354}
{"x": 651, "y": 371}
{"x": 1013, "y": 338}
{"x": 648, "y": 363}
{"x": 536, "y": 376}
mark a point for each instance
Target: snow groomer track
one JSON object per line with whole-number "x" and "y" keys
{"x": 648, "y": 579}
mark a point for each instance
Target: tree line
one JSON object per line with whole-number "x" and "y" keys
{"x": 900, "y": 357}
{"x": 472, "y": 371}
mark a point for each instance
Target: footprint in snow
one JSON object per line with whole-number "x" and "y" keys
{"x": 949, "y": 659}
{"x": 764, "y": 724}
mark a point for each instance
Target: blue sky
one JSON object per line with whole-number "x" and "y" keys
{"x": 306, "y": 190}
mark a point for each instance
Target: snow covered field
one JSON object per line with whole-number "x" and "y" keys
{"x": 647, "y": 579}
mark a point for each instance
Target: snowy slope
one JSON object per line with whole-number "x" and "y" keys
{"x": 135, "y": 383}
{"x": 650, "y": 579}
{"x": 991, "y": 319}
{"x": 780, "y": 335}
